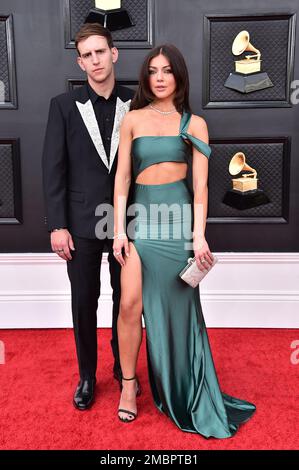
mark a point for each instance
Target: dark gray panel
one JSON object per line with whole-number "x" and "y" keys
{"x": 270, "y": 158}
{"x": 273, "y": 35}
{"x": 46, "y": 65}
{"x": 138, "y": 36}
{"x": 4, "y": 64}
{"x": 10, "y": 182}
{"x": 8, "y": 94}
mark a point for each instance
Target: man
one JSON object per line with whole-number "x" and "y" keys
{"x": 79, "y": 166}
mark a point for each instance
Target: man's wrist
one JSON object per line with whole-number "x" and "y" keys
{"x": 57, "y": 229}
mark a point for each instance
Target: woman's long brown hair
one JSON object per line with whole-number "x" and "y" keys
{"x": 144, "y": 96}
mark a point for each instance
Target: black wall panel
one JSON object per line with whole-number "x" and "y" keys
{"x": 45, "y": 62}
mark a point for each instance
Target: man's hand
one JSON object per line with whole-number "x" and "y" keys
{"x": 62, "y": 243}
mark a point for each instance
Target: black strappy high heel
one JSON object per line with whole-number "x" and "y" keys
{"x": 129, "y": 412}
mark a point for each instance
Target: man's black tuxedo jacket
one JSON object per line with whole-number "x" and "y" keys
{"x": 76, "y": 174}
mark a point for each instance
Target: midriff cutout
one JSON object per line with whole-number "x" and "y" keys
{"x": 162, "y": 173}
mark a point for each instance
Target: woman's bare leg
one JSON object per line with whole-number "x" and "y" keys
{"x": 129, "y": 328}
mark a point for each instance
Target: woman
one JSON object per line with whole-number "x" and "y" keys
{"x": 158, "y": 138}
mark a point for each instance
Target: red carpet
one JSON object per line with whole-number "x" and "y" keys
{"x": 40, "y": 374}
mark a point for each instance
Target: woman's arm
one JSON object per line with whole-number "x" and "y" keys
{"x": 200, "y": 187}
{"x": 121, "y": 188}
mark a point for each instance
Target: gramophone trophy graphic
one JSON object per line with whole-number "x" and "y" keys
{"x": 244, "y": 194}
{"x": 248, "y": 76}
{"x": 110, "y": 14}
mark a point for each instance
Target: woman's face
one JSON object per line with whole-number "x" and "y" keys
{"x": 161, "y": 79}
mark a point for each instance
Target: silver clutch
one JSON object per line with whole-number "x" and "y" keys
{"x": 192, "y": 274}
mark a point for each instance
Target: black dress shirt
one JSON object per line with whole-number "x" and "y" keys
{"x": 105, "y": 112}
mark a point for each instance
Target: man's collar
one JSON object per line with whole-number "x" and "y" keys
{"x": 94, "y": 96}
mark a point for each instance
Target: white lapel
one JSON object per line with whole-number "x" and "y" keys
{"x": 121, "y": 109}
{"x": 88, "y": 115}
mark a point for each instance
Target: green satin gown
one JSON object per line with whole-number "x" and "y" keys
{"x": 182, "y": 375}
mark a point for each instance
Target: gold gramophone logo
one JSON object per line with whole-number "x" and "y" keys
{"x": 248, "y": 181}
{"x": 244, "y": 193}
{"x": 108, "y": 4}
{"x": 247, "y": 76}
{"x": 110, "y": 14}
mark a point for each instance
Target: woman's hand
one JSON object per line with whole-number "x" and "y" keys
{"x": 119, "y": 245}
{"x": 204, "y": 257}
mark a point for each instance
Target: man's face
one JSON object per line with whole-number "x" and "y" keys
{"x": 96, "y": 58}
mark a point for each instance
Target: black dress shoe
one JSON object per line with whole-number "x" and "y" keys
{"x": 84, "y": 394}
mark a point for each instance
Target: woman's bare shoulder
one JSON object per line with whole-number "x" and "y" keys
{"x": 198, "y": 125}
{"x": 136, "y": 114}
{"x": 198, "y": 122}
{"x": 132, "y": 117}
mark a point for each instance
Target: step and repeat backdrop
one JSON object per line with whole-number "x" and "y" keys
{"x": 243, "y": 69}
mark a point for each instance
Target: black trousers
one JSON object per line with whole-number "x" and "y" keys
{"x": 84, "y": 271}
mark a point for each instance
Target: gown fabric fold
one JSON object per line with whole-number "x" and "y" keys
{"x": 182, "y": 374}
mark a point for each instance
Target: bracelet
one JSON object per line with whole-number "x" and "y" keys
{"x": 120, "y": 236}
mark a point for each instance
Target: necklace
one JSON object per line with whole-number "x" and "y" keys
{"x": 165, "y": 113}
